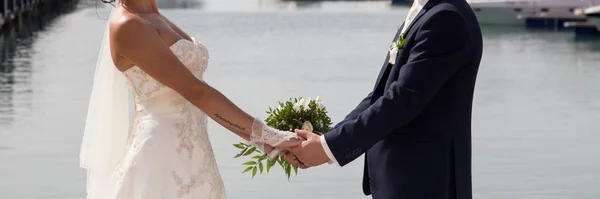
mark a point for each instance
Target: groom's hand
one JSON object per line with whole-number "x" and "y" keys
{"x": 310, "y": 152}
{"x": 292, "y": 159}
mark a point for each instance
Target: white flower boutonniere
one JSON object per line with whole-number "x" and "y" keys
{"x": 397, "y": 45}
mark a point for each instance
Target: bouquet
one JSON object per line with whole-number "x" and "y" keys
{"x": 305, "y": 114}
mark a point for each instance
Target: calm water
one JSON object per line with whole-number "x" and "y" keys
{"x": 535, "y": 117}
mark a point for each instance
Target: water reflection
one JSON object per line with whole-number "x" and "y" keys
{"x": 297, "y": 5}
{"x": 163, "y": 4}
{"x": 492, "y": 31}
{"x": 589, "y": 43}
{"x": 15, "y": 63}
{"x": 173, "y": 4}
{"x": 301, "y": 4}
{"x": 11, "y": 79}
{"x": 337, "y": 5}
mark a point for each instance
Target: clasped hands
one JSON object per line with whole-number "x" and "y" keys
{"x": 303, "y": 153}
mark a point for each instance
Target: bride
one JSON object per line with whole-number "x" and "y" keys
{"x": 164, "y": 152}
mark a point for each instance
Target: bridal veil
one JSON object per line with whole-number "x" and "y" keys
{"x": 106, "y": 127}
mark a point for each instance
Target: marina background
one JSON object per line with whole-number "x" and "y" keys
{"x": 535, "y": 108}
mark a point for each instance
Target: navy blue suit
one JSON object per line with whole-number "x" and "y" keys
{"x": 415, "y": 126}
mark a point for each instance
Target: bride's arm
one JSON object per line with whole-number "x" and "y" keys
{"x": 141, "y": 44}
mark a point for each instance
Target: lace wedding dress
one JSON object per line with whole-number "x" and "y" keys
{"x": 168, "y": 154}
{"x": 163, "y": 151}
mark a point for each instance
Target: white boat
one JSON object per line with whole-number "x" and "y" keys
{"x": 593, "y": 15}
{"x": 514, "y": 12}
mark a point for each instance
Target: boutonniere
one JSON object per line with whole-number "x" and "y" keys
{"x": 397, "y": 45}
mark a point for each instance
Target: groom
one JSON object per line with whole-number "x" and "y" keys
{"x": 415, "y": 126}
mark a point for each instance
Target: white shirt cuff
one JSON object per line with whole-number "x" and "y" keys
{"x": 332, "y": 159}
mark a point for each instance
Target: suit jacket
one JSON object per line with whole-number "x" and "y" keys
{"x": 415, "y": 126}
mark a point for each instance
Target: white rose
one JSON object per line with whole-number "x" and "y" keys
{"x": 307, "y": 126}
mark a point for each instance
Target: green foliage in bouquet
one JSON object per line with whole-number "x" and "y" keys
{"x": 301, "y": 113}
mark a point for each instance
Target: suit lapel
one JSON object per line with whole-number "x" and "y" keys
{"x": 419, "y": 15}
{"x": 426, "y": 7}
{"x": 386, "y": 65}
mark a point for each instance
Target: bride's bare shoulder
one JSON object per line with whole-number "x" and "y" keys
{"x": 128, "y": 34}
{"x": 124, "y": 25}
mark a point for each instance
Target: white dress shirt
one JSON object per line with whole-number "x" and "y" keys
{"x": 412, "y": 13}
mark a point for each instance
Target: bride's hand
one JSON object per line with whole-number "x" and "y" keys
{"x": 281, "y": 148}
{"x": 290, "y": 143}
{"x": 263, "y": 135}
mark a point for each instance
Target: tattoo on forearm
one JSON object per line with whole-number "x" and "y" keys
{"x": 230, "y": 123}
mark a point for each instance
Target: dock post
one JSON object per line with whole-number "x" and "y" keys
{"x": 2, "y": 12}
{"x": 15, "y": 15}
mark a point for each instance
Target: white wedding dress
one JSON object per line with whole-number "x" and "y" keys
{"x": 163, "y": 151}
{"x": 168, "y": 154}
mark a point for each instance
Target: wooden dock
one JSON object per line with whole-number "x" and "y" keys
{"x": 13, "y": 12}
{"x": 21, "y": 18}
